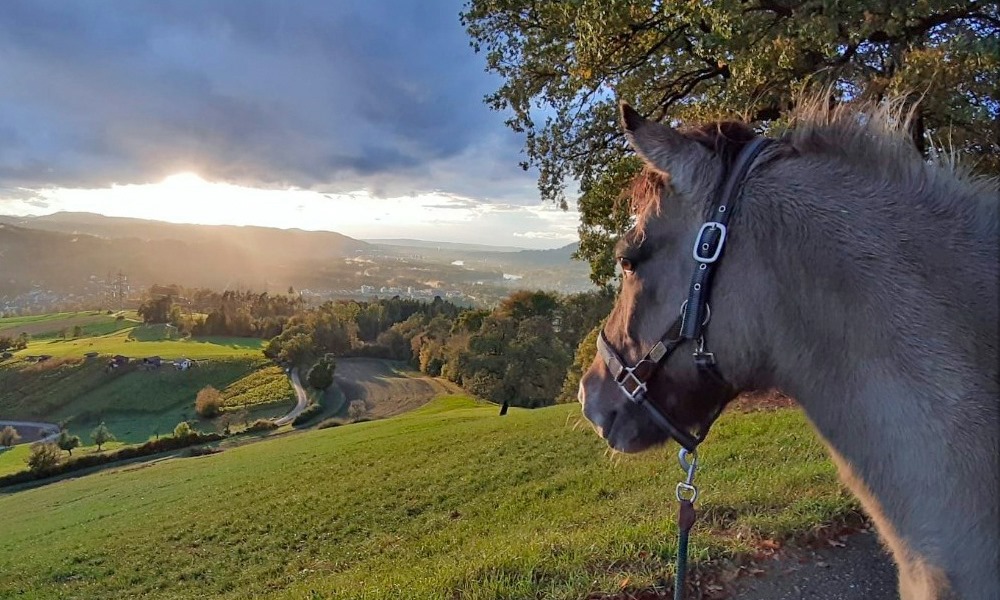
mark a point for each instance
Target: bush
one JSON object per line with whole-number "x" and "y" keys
{"x": 208, "y": 403}
{"x": 9, "y": 436}
{"x": 201, "y": 451}
{"x": 43, "y": 457}
{"x": 261, "y": 425}
{"x": 183, "y": 430}
{"x": 328, "y": 423}
{"x": 311, "y": 412}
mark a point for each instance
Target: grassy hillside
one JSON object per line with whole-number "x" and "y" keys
{"x": 51, "y": 325}
{"x": 449, "y": 501}
{"x": 146, "y": 340}
{"x": 380, "y": 388}
{"x": 136, "y": 404}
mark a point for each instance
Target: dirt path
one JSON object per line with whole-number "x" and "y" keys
{"x": 301, "y": 400}
{"x": 858, "y": 570}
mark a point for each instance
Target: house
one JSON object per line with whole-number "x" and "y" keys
{"x": 183, "y": 364}
{"x": 117, "y": 361}
{"x": 152, "y": 362}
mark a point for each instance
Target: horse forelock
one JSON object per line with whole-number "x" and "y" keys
{"x": 725, "y": 139}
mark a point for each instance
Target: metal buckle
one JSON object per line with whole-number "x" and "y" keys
{"x": 718, "y": 248}
{"x": 638, "y": 392}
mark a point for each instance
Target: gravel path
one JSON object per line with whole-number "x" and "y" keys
{"x": 301, "y": 400}
{"x": 860, "y": 570}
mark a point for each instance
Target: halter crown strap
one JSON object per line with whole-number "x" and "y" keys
{"x": 708, "y": 249}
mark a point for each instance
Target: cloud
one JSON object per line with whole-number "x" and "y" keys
{"x": 384, "y": 96}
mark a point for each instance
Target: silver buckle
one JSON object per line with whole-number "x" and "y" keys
{"x": 718, "y": 249}
{"x": 638, "y": 393}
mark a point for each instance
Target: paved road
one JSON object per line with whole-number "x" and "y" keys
{"x": 302, "y": 400}
{"x": 861, "y": 570}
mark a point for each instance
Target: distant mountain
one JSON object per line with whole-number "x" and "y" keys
{"x": 73, "y": 255}
{"x": 283, "y": 244}
{"x": 423, "y": 244}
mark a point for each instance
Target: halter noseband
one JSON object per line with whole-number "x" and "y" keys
{"x": 695, "y": 313}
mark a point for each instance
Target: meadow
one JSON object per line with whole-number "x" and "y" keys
{"x": 447, "y": 501}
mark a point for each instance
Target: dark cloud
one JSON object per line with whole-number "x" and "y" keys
{"x": 385, "y": 96}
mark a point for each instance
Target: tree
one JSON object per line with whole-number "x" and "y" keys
{"x": 9, "y": 436}
{"x": 564, "y": 67}
{"x": 42, "y": 457}
{"x": 77, "y": 331}
{"x": 183, "y": 430}
{"x": 208, "y": 402}
{"x": 101, "y": 435}
{"x": 156, "y": 310}
{"x": 68, "y": 442}
{"x": 320, "y": 376}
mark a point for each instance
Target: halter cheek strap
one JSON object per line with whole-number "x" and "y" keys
{"x": 695, "y": 314}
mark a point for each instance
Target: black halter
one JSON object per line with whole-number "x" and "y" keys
{"x": 695, "y": 313}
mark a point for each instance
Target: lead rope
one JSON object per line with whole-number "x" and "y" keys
{"x": 686, "y": 495}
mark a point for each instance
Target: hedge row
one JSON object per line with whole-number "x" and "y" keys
{"x": 164, "y": 444}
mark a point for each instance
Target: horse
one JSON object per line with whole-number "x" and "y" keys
{"x": 858, "y": 278}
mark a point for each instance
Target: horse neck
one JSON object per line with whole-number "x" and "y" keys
{"x": 859, "y": 320}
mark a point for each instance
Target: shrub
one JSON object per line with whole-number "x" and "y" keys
{"x": 9, "y": 436}
{"x": 43, "y": 457}
{"x": 328, "y": 423}
{"x": 183, "y": 430}
{"x": 311, "y": 412}
{"x": 208, "y": 403}
{"x": 261, "y": 425}
{"x": 201, "y": 451}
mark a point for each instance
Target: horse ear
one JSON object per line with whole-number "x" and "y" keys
{"x": 663, "y": 148}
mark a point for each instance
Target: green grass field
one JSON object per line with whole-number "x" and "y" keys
{"x": 134, "y": 343}
{"x": 448, "y": 501}
{"x": 93, "y": 322}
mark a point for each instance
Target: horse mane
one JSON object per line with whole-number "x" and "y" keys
{"x": 872, "y": 137}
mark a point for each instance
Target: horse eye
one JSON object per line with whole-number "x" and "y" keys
{"x": 626, "y": 265}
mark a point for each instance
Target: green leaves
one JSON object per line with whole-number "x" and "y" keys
{"x": 564, "y": 66}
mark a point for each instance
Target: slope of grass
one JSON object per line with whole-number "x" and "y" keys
{"x": 51, "y": 325}
{"x": 449, "y": 501}
{"x": 143, "y": 341}
{"x": 136, "y": 404}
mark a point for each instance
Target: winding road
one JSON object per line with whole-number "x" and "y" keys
{"x": 302, "y": 400}
{"x": 40, "y": 427}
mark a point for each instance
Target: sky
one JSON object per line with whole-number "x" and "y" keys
{"x": 363, "y": 117}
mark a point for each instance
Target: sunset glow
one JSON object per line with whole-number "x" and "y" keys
{"x": 186, "y": 197}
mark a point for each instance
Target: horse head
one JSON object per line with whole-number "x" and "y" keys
{"x": 684, "y": 172}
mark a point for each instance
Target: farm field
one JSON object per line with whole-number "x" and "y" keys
{"x": 379, "y": 388}
{"x": 446, "y": 501}
{"x": 93, "y": 322}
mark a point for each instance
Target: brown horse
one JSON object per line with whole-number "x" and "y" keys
{"x": 857, "y": 278}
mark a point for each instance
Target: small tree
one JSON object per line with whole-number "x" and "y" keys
{"x": 9, "y": 436}
{"x": 43, "y": 457}
{"x": 67, "y": 442}
{"x": 208, "y": 403}
{"x": 77, "y": 331}
{"x": 182, "y": 430}
{"x": 101, "y": 435}
{"x": 320, "y": 376}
